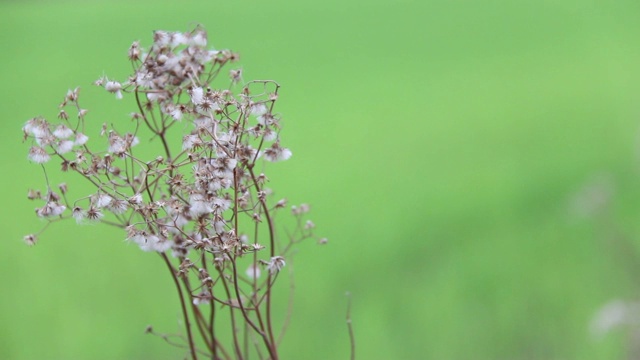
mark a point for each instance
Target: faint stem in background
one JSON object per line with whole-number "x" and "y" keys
{"x": 167, "y": 339}
{"x": 352, "y": 339}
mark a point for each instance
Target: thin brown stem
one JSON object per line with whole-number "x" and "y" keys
{"x": 185, "y": 314}
{"x": 272, "y": 254}
{"x": 212, "y": 311}
{"x": 234, "y": 330}
{"x": 268, "y": 344}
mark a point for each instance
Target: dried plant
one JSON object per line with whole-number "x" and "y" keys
{"x": 203, "y": 207}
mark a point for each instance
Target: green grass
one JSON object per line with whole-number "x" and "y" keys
{"x": 438, "y": 142}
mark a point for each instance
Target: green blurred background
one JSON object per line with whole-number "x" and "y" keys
{"x": 440, "y": 143}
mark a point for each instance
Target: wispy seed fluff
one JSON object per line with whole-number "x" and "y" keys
{"x": 38, "y": 155}
{"x": 276, "y": 153}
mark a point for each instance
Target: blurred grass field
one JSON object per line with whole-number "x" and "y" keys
{"x": 439, "y": 143}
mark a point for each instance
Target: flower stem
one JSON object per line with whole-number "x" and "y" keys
{"x": 187, "y": 324}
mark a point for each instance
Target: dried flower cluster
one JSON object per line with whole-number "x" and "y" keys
{"x": 201, "y": 204}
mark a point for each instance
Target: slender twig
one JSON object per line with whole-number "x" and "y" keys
{"x": 234, "y": 330}
{"x": 187, "y": 324}
{"x": 271, "y": 253}
{"x": 270, "y": 345}
{"x": 165, "y": 337}
{"x": 212, "y": 311}
{"x": 200, "y": 322}
{"x": 287, "y": 319}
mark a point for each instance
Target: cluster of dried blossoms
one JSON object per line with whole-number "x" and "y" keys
{"x": 204, "y": 203}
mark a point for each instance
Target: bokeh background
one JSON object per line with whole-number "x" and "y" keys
{"x": 473, "y": 163}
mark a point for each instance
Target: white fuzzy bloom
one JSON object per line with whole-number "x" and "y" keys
{"x": 94, "y": 214}
{"x": 38, "y": 155}
{"x": 62, "y": 132}
{"x": 114, "y": 87}
{"x": 80, "y": 158}
{"x": 72, "y": 95}
{"x": 161, "y": 38}
{"x": 276, "y": 153}
{"x": 134, "y": 51}
{"x": 222, "y": 203}
{"x": 81, "y": 139}
{"x": 135, "y": 199}
{"x": 162, "y": 245}
{"x": 141, "y": 238}
{"x": 269, "y": 134}
{"x": 30, "y": 239}
{"x": 101, "y": 80}
{"x": 219, "y": 226}
{"x": 78, "y": 214}
{"x": 37, "y": 127}
{"x": 199, "y": 39}
{"x": 144, "y": 79}
{"x": 206, "y": 56}
{"x": 199, "y": 206}
{"x": 117, "y": 206}
{"x": 177, "y": 221}
{"x": 50, "y": 209}
{"x": 203, "y": 122}
{"x": 265, "y": 119}
{"x": 275, "y": 264}
{"x": 65, "y": 146}
{"x": 102, "y": 200}
{"x": 258, "y": 109}
{"x": 154, "y": 96}
{"x": 197, "y": 95}
{"x": 176, "y": 113}
{"x": 137, "y": 237}
{"x": 131, "y": 140}
{"x": 57, "y": 209}
{"x": 227, "y": 137}
{"x": 45, "y": 140}
{"x": 189, "y": 141}
{"x": 162, "y": 58}
{"x": 117, "y": 145}
{"x": 150, "y": 242}
{"x": 178, "y": 39}
{"x": 174, "y": 63}
{"x": 231, "y": 164}
{"x": 224, "y": 163}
